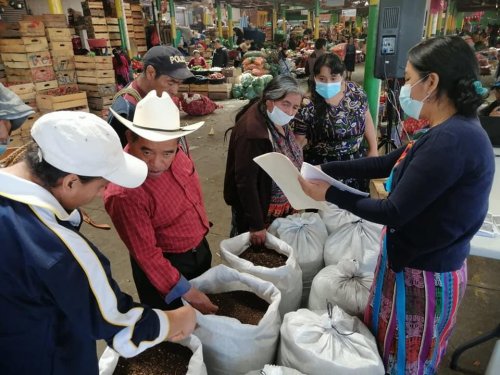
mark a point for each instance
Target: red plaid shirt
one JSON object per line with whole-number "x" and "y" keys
{"x": 165, "y": 214}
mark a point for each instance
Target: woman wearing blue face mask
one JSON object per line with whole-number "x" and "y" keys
{"x": 261, "y": 127}
{"x": 439, "y": 188}
{"x": 333, "y": 125}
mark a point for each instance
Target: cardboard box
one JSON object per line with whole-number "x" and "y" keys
{"x": 377, "y": 189}
{"x": 47, "y": 103}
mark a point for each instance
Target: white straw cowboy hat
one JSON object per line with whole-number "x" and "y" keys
{"x": 157, "y": 119}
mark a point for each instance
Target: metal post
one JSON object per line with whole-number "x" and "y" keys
{"x": 55, "y": 7}
{"x": 230, "y": 24}
{"x": 316, "y": 20}
{"x": 372, "y": 84}
{"x": 122, "y": 23}
{"x": 275, "y": 19}
{"x": 219, "y": 20}
{"x": 283, "y": 18}
{"x": 173, "y": 29}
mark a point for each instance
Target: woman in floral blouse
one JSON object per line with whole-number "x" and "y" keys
{"x": 332, "y": 126}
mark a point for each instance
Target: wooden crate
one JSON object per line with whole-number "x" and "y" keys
{"x": 98, "y": 90}
{"x": 24, "y": 91}
{"x": 113, "y": 29}
{"x": 15, "y": 60}
{"x": 115, "y": 42}
{"x": 96, "y": 29}
{"x": 60, "y": 46}
{"x": 63, "y": 63}
{"x": 23, "y": 45}
{"x": 44, "y": 73}
{"x": 47, "y": 85}
{"x": 112, "y": 21}
{"x": 66, "y": 77}
{"x": 62, "y": 53}
{"x": 96, "y": 73}
{"x": 136, "y": 8}
{"x": 58, "y": 34}
{"x": 114, "y": 36}
{"x": 95, "y": 80}
{"x": 222, "y": 87}
{"x": 47, "y": 103}
{"x": 219, "y": 95}
{"x": 183, "y": 88}
{"x": 62, "y": 90}
{"x": 55, "y": 20}
{"x": 94, "y": 12}
{"x": 100, "y": 103}
{"x": 93, "y": 21}
{"x": 92, "y": 4}
{"x": 198, "y": 88}
{"x": 377, "y": 189}
{"x": 94, "y": 62}
{"x": 31, "y": 28}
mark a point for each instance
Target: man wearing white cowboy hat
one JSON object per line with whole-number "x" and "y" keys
{"x": 164, "y": 69}
{"x": 163, "y": 222}
{"x": 57, "y": 295}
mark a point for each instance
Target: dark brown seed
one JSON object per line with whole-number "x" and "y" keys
{"x": 242, "y": 305}
{"x": 166, "y": 358}
{"x": 262, "y": 256}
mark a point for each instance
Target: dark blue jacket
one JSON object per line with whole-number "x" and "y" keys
{"x": 57, "y": 296}
{"x": 439, "y": 196}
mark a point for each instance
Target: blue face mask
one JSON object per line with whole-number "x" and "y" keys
{"x": 411, "y": 106}
{"x": 278, "y": 117}
{"x": 328, "y": 90}
{"x": 3, "y": 146}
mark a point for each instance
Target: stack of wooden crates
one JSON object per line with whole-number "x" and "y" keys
{"x": 95, "y": 22}
{"x": 139, "y": 31}
{"x": 114, "y": 32}
{"x": 96, "y": 76}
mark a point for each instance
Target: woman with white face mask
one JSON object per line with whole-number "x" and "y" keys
{"x": 439, "y": 187}
{"x": 337, "y": 120}
{"x": 261, "y": 127}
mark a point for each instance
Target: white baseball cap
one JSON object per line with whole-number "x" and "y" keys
{"x": 86, "y": 145}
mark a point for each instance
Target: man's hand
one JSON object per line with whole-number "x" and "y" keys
{"x": 495, "y": 112}
{"x": 200, "y": 301}
{"x": 258, "y": 238}
{"x": 182, "y": 322}
{"x": 316, "y": 189}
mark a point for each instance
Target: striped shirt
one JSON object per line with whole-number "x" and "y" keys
{"x": 165, "y": 214}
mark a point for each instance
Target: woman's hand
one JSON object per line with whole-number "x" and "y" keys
{"x": 316, "y": 189}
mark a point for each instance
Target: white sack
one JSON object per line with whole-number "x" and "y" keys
{"x": 358, "y": 240}
{"x": 288, "y": 278}
{"x": 109, "y": 358}
{"x": 310, "y": 344}
{"x": 335, "y": 217}
{"x": 306, "y": 234}
{"x": 230, "y": 347}
{"x": 275, "y": 370}
{"x": 342, "y": 284}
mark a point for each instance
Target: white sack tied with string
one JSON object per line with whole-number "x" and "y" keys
{"x": 287, "y": 278}
{"x": 229, "y": 346}
{"x": 335, "y": 217}
{"x": 306, "y": 234}
{"x": 329, "y": 343}
{"x": 358, "y": 240}
{"x": 109, "y": 358}
{"x": 342, "y": 284}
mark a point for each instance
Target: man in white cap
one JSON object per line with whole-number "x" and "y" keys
{"x": 164, "y": 69}
{"x": 57, "y": 295}
{"x": 163, "y": 222}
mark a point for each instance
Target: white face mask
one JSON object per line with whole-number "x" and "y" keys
{"x": 278, "y": 117}
{"x": 411, "y": 107}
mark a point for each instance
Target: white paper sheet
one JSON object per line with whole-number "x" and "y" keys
{"x": 310, "y": 172}
{"x": 285, "y": 174}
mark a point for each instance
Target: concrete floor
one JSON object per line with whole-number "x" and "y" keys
{"x": 479, "y": 312}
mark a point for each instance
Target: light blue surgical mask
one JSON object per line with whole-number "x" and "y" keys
{"x": 411, "y": 106}
{"x": 278, "y": 117}
{"x": 4, "y": 145}
{"x": 328, "y": 90}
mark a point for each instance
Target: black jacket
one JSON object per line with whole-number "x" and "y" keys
{"x": 220, "y": 58}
